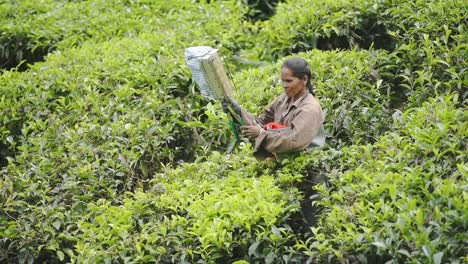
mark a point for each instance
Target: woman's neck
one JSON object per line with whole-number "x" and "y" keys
{"x": 294, "y": 99}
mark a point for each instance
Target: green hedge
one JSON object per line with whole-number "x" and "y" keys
{"x": 304, "y": 25}
{"x": 427, "y": 39}
{"x": 108, "y": 153}
{"x": 30, "y": 30}
{"x": 206, "y": 211}
{"x": 95, "y": 121}
{"x": 138, "y": 64}
{"x": 431, "y": 37}
{"x": 402, "y": 199}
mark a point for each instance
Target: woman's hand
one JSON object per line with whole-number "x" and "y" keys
{"x": 252, "y": 131}
{"x": 225, "y": 103}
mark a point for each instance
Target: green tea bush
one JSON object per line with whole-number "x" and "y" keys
{"x": 431, "y": 48}
{"x": 261, "y": 9}
{"x": 404, "y": 200}
{"x": 31, "y": 30}
{"x": 111, "y": 64}
{"x": 108, "y": 153}
{"x": 165, "y": 49}
{"x": 427, "y": 38}
{"x": 303, "y": 25}
{"x": 200, "y": 212}
{"x": 95, "y": 121}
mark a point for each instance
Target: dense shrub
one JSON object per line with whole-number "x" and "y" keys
{"x": 31, "y": 30}
{"x": 427, "y": 38}
{"x": 304, "y": 25}
{"x": 403, "y": 198}
{"x": 431, "y": 48}
{"x": 261, "y": 9}
{"x": 95, "y": 121}
{"x": 108, "y": 153}
{"x": 135, "y": 64}
{"x": 201, "y": 212}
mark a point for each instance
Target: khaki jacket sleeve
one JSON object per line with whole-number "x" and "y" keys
{"x": 267, "y": 116}
{"x": 304, "y": 126}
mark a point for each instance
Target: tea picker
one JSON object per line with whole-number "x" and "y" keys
{"x": 208, "y": 72}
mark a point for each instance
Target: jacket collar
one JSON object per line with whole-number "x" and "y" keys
{"x": 298, "y": 101}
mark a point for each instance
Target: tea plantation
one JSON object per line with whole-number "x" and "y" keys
{"x": 109, "y": 154}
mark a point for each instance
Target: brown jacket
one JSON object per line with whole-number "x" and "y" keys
{"x": 304, "y": 119}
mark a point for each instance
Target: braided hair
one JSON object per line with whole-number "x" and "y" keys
{"x": 300, "y": 68}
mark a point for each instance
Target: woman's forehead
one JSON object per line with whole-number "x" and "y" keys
{"x": 286, "y": 73}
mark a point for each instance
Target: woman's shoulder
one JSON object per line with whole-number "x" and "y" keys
{"x": 310, "y": 103}
{"x": 279, "y": 100}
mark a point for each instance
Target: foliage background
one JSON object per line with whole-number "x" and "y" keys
{"x": 109, "y": 154}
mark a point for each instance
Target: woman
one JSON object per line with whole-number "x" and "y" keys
{"x": 293, "y": 122}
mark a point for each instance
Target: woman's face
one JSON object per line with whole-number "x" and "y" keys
{"x": 293, "y": 86}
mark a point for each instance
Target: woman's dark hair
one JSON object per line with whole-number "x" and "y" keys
{"x": 300, "y": 68}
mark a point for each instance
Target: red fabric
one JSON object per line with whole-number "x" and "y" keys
{"x": 270, "y": 126}
{"x": 273, "y": 125}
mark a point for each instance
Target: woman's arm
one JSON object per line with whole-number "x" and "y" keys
{"x": 267, "y": 116}
{"x": 303, "y": 129}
